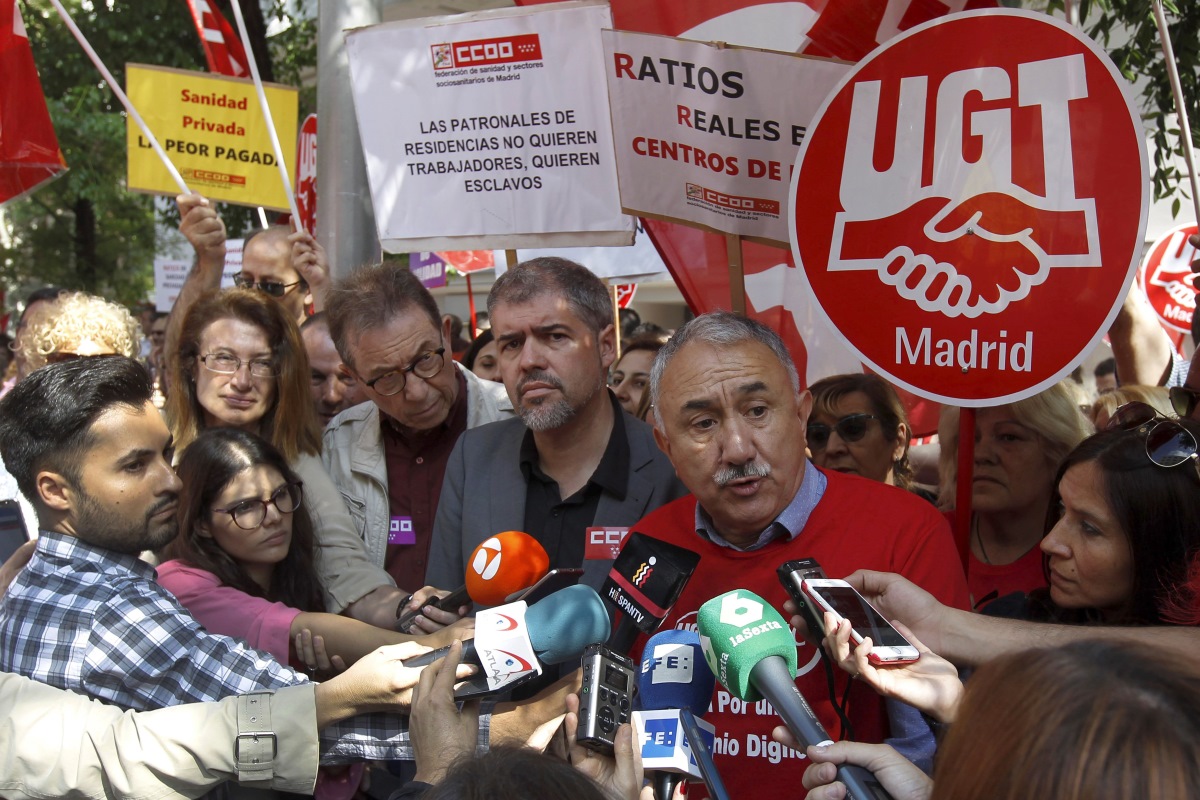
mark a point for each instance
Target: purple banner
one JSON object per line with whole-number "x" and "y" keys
{"x": 429, "y": 268}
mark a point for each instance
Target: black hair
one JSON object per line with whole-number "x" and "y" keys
{"x": 208, "y": 465}
{"x": 46, "y": 419}
{"x": 481, "y": 341}
{"x": 509, "y": 772}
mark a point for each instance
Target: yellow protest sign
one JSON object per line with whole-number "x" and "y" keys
{"x": 213, "y": 130}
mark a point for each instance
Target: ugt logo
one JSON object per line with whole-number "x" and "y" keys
{"x": 968, "y": 163}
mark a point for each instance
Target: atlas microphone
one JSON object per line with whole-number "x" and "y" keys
{"x": 646, "y": 579}
{"x": 502, "y": 565}
{"x": 674, "y": 681}
{"x": 512, "y": 642}
{"x": 751, "y": 650}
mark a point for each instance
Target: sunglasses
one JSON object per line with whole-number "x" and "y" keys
{"x": 273, "y": 288}
{"x": 850, "y": 429}
{"x": 1168, "y": 444}
{"x": 1184, "y": 400}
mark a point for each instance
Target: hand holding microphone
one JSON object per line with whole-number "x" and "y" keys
{"x": 748, "y": 646}
{"x": 500, "y": 566}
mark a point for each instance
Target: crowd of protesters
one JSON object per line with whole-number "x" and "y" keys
{"x": 241, "y": 514}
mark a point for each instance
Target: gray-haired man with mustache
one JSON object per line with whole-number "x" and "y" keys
{"x": 730, "y": 415}
{"x": 574, "y": 460}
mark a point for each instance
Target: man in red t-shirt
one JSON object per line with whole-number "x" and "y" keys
{"x": 730, "y": 415}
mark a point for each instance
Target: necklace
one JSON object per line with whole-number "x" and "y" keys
{"x": 979, "y": 539}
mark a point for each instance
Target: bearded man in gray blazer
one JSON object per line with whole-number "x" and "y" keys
{"x": 574, "y": 460}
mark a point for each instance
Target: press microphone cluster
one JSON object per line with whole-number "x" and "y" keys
{"x": 501, "y": 566}
{"x": 675, "y": 685}
{"x": 513, "y": 642}
{"x": 749, "y": 647}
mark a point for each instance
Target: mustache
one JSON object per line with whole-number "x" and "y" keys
{"x": 751, "y": 469}
{"x": 537, "y": 376}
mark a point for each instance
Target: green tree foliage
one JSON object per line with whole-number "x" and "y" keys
{"x": 84, "y": 230}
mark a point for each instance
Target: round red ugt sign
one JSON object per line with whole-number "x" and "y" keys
{"x": 969, "y": 205}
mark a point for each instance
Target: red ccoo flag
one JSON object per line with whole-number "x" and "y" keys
{"x": 29, "y": 153}
{"x": 222, "y": 47}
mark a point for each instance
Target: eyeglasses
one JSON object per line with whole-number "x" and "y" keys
{"x": 425, "y": 367}
{"x": 249, "y": 514}
{"x": 226, "y": 364}
{"x": 273, "y": 288}
{"x": 850, "y": 429}
{"x": 1168, "y": 444}
{"x": 1184, "y": 400}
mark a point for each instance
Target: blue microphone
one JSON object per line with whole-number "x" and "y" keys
{"x": 674, "y": 680}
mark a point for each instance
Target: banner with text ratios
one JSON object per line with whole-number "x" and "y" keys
{"x": 214, "y": 132}
{"x": 489, "y": 130}
{"x": 707, "y": 134}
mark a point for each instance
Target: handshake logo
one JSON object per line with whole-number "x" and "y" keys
{"x": 946, "y": 224}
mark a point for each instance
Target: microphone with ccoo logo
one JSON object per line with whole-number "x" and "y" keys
{"x": 506, "y": 563}
{"x": 674, "y": 680}
{"x": 645, "y": 581}
{"x": 750, "y": 649}
{"x": 513, "y": 641}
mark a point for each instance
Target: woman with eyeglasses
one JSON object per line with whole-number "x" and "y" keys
{"x": 1018, "y": 449}
{"x": 240, "y": 363}
{"x": 243, "y": 563}
{"x": 858, "y": 426}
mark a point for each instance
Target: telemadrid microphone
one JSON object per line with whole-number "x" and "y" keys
{"x": 646, "y": 579}
{"x": 673, "y": 677}
{"x": 520, "y": 639}
{"x": 753, "y": 654}
{"x": 506, "y": 563}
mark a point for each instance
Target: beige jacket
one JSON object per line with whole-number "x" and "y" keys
{"x": 55, "y": 743}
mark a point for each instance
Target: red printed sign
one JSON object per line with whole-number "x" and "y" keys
{"x": 1167, "y": 277}
{"x": 967, "y": 189}
{"x": 603, "y": 544}
{"x": 625, "y": 293}
{"x": 306, "y": 173}
{"x": 486, "y": 52}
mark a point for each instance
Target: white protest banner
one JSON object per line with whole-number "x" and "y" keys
{"x": 707, "y": 134}
{"x": 169, "y": 275}
{"x": 489, "y": 130}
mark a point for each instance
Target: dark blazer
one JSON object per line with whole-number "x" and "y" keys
{"x": 483, "y": 494}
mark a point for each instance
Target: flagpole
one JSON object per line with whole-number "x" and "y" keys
{"x": 266, "y": 109}
{"x": 112, "y": 84}
{"x": 1185, "y": 129}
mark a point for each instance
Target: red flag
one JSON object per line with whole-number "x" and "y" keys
{"x": 29, "y": 153}
{"x": 222, "y": 47}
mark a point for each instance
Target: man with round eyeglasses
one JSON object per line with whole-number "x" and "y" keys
{"x": 389, "y": 456}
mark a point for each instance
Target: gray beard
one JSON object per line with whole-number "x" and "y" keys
{"x": 547, "y": 417}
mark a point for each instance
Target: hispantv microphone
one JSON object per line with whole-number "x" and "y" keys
{"x": 646, "y": 579}
{"x": 750, "y": 649}
{"x": 673, "y": 678}
{"x": 506, "y": 563}
{"x": 513, "y": 641}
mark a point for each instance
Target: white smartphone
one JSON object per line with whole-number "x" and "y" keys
{"x": 839, "y": 597}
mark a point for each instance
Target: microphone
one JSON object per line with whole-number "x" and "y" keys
{"x": 506, "y": 563}
{"x": 513, "y": 641}
{"x": 748, "y": 645}
{"x": 646, "y": 579}
{"x": 673, "y": 678}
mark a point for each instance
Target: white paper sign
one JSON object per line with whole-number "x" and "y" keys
{"x": 169, "y": 275}
{"x": 488, "y": 130}
{"x": 707, "y": 135}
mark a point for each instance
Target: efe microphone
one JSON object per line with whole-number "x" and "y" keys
{"x": 507, "y": 563}
{"x": 673, "y": 677}
{"x": 750, "y": 648}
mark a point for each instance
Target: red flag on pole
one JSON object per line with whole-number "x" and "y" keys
{"x": 222, "y": 47}
{"x": 29, "y": 153}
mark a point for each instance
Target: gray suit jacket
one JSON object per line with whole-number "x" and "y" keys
{"x": 483, "y": 494}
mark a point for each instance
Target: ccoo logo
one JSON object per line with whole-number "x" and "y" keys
{"x": 963, "y": 182}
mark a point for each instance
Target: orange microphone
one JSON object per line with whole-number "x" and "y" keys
{"x": 507, "y": 563}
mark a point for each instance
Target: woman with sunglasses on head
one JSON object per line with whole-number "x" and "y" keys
{"x": 858, "y": 426}
{"x": 1018, "y": 448}
{"x": 243, "y": 562}
{"x": 240, "y": 363}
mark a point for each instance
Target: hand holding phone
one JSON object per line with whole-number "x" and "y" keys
{"x": 840, "y": 599}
